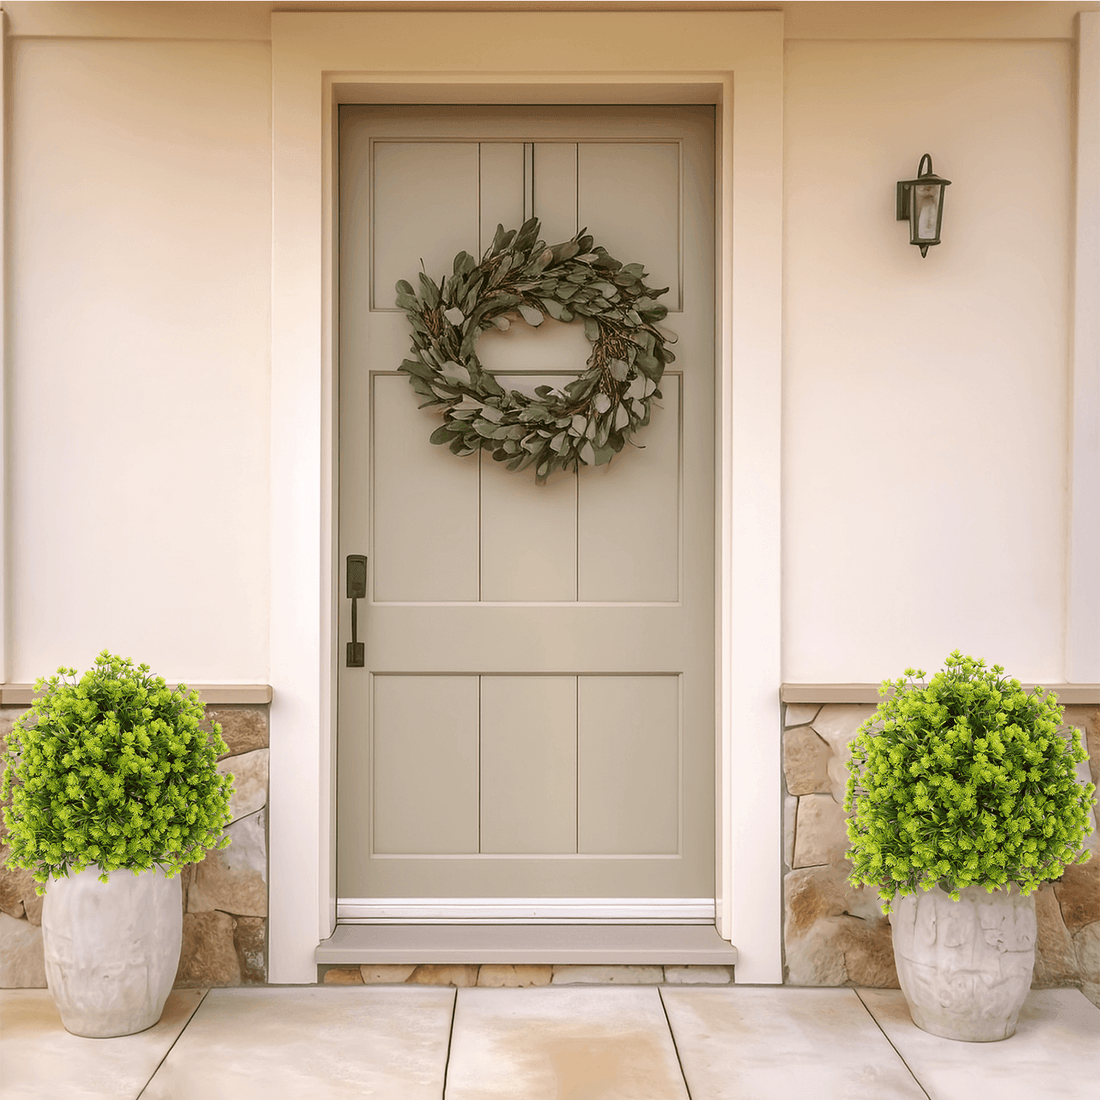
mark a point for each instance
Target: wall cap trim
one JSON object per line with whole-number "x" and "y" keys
{"x": 23, "y": 694}
{"x": 1068, "y": 694}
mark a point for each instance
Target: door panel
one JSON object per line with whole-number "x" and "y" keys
{"x": 425, "y": 207}
{"x": 649, "y": 224}
{"x": 629, "y": 520}
{"x": 408, "y": 562}
{"x": 536, "y": 714}
{"x": 518, "y": 814}
{"x": 425, "y": 764}
{"x": 628, "y": 809}
{"x": 554, "y": 188}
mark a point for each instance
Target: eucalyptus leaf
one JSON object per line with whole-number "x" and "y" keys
{"x": 455, "y": 372}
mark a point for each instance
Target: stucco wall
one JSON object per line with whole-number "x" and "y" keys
{"x": 140, "y": 244}
{"x": 926, "y": 400}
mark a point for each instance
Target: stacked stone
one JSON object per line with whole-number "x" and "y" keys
{"x": 835, "y": 933}
{"x": 224, "y": 896}
{"x": 21, "y": 961}
{"x": 498, "y": 976}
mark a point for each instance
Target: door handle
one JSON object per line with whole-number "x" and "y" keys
{"x": 357, "y": 590}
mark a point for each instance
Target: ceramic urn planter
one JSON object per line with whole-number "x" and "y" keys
{"x": 965, "y": 966}
{"x": 112, "y": 949}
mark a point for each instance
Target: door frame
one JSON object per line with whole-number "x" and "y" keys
{"x": 731, "y": 59}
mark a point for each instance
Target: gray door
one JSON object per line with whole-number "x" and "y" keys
{"x": 536, "y": 714}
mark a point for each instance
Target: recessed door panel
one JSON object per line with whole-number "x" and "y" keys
{"x": 425, "y": 788}
{"x": 632, "y": 190}
{"x": 424, "y": 505}
{"x": 425, "y": 207}
{"x": 529, "y": 765}
{"x": 631, "y": 809}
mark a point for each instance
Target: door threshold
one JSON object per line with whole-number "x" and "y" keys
{"x": 532, "y": 944}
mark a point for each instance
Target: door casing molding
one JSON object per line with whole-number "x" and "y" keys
{"x": 731, "y": 59}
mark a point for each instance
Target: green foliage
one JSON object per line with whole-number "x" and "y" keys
{"x": 589, "y": 420}
{"x": 113, "y": 771}
{"x": 966, "y": 780}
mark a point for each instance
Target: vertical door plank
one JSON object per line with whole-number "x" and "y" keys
{"x": 501, "y": 197}
{"x": 628, "y": 765}
{"x": 425, "y": 503}
{"x": 555, "y": 190}
{"x": 528, "y": 531}
{"x": 528, "y": 535}
{"x": 528, "y": 764}
{"x": 425, "y": 209}
{"x": 425, "y": 764}
{"x": 628, "y": 514}
{"x": 630, "y": 194}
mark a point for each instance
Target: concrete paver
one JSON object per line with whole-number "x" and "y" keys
{"x": 311, "y": 1044}
{"x": 740, "y": 1042}
{"x": 1054, "y": 1055}
{"x": 551, "y": 1043}
{"x": 40, "y": 1060}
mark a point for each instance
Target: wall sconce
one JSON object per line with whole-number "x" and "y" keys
{"x": 921, "y": 202}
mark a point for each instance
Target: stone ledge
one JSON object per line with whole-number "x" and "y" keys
{"x": 23, "y": 694}
{"x": 1068, "y": 694}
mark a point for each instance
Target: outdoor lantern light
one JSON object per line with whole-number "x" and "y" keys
{"x": 921, "y": 201}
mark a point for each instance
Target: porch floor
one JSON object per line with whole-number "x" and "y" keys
{"x": 549, "y": 1043}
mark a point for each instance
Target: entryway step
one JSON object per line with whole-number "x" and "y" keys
{"x": 618, "y": 944}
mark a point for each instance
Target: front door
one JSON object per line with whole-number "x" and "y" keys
{"x": 535, "y": 717}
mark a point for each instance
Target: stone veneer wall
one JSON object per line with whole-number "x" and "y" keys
{"x": 836, "y": 934}
{"x": 500, "y": 975}
{"x": 224, "y": 896}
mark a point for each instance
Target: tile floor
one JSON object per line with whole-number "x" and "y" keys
{"x": 550, "y": 1043}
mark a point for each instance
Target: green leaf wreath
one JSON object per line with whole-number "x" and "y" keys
{"x": 593, "y": 417}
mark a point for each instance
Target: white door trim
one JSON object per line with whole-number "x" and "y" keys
{"x": 733, "y": 59}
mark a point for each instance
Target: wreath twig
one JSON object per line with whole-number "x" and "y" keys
{"x": 590, "y": 419}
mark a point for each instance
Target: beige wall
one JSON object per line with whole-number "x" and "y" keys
{"x": 926, "y": 400}
{"x": 140, "y": 251}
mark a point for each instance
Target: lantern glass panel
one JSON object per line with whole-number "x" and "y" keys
{"x": 924, "y": 212}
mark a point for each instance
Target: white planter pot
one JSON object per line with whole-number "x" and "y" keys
{"x": 112, "y": 949}
{"x": 965, "y": 966}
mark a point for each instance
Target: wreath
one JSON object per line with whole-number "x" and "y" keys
{"x": 590, "y": 419}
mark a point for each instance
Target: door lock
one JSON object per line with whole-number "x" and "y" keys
{"x": 357, "y": 590}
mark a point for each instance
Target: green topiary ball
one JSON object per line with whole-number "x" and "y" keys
{"x": 113, "y": 771}
{"x": 966, "y": 780}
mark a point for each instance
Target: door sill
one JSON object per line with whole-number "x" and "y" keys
{"x": 525, "y": 910}
{"x": 533, "y": 944}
